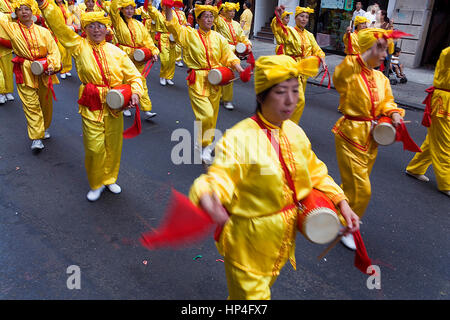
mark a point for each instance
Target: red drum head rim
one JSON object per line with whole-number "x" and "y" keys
{"x": 321, "y": 225}
{"x": 384, "y": 133}
{"x": 115, "y": 99}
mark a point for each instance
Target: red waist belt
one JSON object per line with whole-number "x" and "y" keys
{"x": 17, "y": 69}
{"x": 426, "y": 120}
{"x": 191, "y": 75}
{"x": 91, "y": 96}
{"x": 358, "y": 118}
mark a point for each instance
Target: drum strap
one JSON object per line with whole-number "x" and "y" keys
{"x": 277, "y": 148}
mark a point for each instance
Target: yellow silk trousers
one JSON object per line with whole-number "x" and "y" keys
{"x": 167, "y": 55}
{"x": 6, "y": 67}
{"x": 206, "y": 110}
{"x": 435, "y": 151}
{"x": 297, "y": 114}
{"x": 355, "y": 167}
{"x": 66, "y": 58}
{"x": 178, "y": 53}
{"x": 103, "y": 149}
{"x": 145, "y": 104}
{"x": 227, "y": 92}
{"x": 245, "y": 285}
{"x": 37, "y": 107}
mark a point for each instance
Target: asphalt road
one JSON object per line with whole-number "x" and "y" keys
{"x": 47, "y": 225}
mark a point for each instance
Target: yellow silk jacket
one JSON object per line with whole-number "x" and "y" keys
{"x": 440, "y": 101}
{"x": 354, "y": 43}
{"x": 147, "y": 20}
{"x": 231, "y": 30}
{"x": 249, "y": 180}
{"x": 131, "y": 34}
{"x": 297, "y": 43}
{"x": 195, "y": 53}
{"x": 247, "y": 16}
{"x": 32, "y": 43}
{"x": 117, "y": 66}
{"x": 364, "y": 93}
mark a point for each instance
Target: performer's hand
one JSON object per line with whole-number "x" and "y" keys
{"x": 324, "y": 64}
{"x": 212, "y": 205}
{"x": 351, "y": 218}
{"x": 155, "y": 57}
{"x": 134, "y": 101}
{"x": 238, "y": 67}
{"x": 349, "y": 29}
{"x": 49, "y": 71}
{"x": 396, "y": 119}
{"x": 279, "y": 10}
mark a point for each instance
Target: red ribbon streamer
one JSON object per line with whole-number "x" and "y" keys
{"x": 136, "y": 127}
{"x": 426, "y": 120}
{"x": 402, "y": 134}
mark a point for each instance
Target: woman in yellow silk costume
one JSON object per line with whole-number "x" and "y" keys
{"x": 100, "y": 66}
{"x": 167, "y": 44}
{"x": 131, "y": 35}
{"x": 66, "y": 57}
{"x": 353, "y": 47}
{"x": 365, "y": 95}
{"x": 232, "y": 31}
{"x": 246, "y": 190}
{"x": 31, "y": 42}
{"x": 178, "y": 10}
{"x": 436, "y": 147}
{"x": 204, "y": 49}
{"x": 298, "y": 43}
{"x": 6, "y": 66}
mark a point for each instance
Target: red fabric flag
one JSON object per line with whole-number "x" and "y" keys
{"x": 426, "y": 120}
{"x": 362, "y": 260}
{"x": 167, "y": 3}
{"x": 91, "y": 97}
{"x": 183, "y": 223}
{"x": 402, "y": 135}
{"x": 136, "y": 127}
{"x": 251, "y": 60}
{"x": 246, "y": 74}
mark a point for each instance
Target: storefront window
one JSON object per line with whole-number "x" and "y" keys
{"x": 333, "y": 19}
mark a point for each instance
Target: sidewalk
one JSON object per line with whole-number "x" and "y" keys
{"x": 410, "y": 94}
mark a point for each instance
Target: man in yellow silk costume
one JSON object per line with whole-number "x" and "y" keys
{"x": 204, "y": 50}
{"x": 247, "y": 180}
{"x": 178, "y": 10}
{"x": 436, "y": 147}
{"x": 131, "y": 35}
{"x": 232, "y": 31}
{"x": 167, "y": 43}
{"x": 31, "y": 42}
{"x": 66, "y": 56}
{"x": 365, "y": 95}
{"x": 298, "y": 43}
{"x": 6, "y": 66}
{"x": 100, "y": 66}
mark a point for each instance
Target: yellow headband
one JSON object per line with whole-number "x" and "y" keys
{"x": 299, "y": 10}
{"x": 368, "y": 37}
{"x": 229, "y": 6}
{"x": 360, "y": 19}
{"x": 202, "y": 8}
{"x": 17, "y": 3}
{"x": 126, "y": 3}
{"x": 95, "y": 16}
{"x": 271, "y": 70}
{"x": 285, "y": 13}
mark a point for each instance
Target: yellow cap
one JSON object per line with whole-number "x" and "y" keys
{"x": 202, "y": 8}
{"x": 95, "y": 16}
{"x": 299, "y": 10}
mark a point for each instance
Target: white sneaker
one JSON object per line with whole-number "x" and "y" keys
{"x": 228, "y": 105}
{"x": 162, "y": 81}
{"x": 179, "y": 63}
{"x": 420, "y": 177}
{"x": 169, "y": 81}
{"x": 9, "y": 97}
{"x": 114, "y": 188}
{"x": 349, "y": 241}
{"x": 93, "y": 195}
{"x": 148, "y": 115}
{"x": 446, "y": 192}
{"x": 2, "y": 99}
{"x": 63, "y": 75}
{"x": 68, "y": 74}
{"x": 37, "y": 145}
{"x": 47, "y": 135}
{"x": 127, "y": 113}
{"x": 207, "y": 156}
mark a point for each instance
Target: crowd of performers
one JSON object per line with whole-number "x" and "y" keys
{"x": 250, "y": 190}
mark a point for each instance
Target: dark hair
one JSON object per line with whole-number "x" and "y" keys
{"x": 384, "y": 13}
{"x": 248, "y": 4}
{"x": 260, "y": 97}
{"x": 397, "y": 49}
